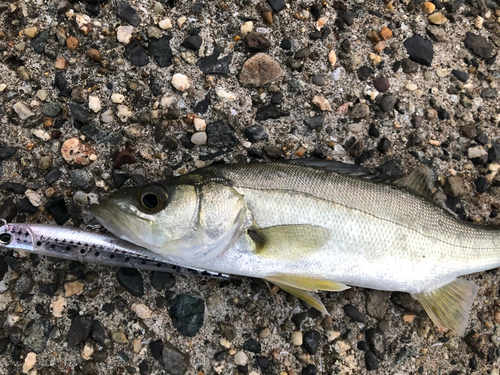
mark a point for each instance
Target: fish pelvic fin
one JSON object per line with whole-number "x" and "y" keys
{"x": 289, "y": 242}
{"x": 306, "y": 296}
{"x": 449, "y": 305}
{"x": 420, "y": 183}
{"x": 307, "y": 284}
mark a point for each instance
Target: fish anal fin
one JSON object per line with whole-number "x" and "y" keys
{"x": 306, "y": 296}
{"x": 449, "y": 305}
{"x": 289, "y": 242}
{"x": 306, "y": 283}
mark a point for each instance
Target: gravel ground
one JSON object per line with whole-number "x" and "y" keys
{"x": 96, "y": 95}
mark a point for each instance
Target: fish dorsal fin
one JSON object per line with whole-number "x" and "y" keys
{"x": 307, "y": 283}
{"x": 306, "y": 296}
{"x": 352, "y": 170}
{"x": 449, "y": 305}
{"x": 418, "y": 182}
{"x": 288, "y": 242}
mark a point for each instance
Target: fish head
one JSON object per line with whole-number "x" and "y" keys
{"x": 178, "y": 218}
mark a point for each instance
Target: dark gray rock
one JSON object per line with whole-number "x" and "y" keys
{"x": 80, "y": 329}
{"x": 156, "y": 348}
{"x": 318, "y": 80}
{"x": 135, "y": 53}
{"x": 364, "y": 72}
{"x": 371, "y": 361}
{"x": 407, "y": 303}
{"x": 353, "y": 313}
{"x": 51, "y": 109}
{"x": 13, "y": 187}
{"x": 100, "y": 335}
{"x": 420, "y": 49}
{"x": 273, "y": 151}
{"x": 256, "y": 133}
{"x": 213, "y": 65}
{"x": 80, "y": 178}
{"x": 252, "y": 346}
{"x": 315, "y": 122}
{"x": 461, "y": 76}
{"x": 37, "y": 335}
{"x": 270, "y": 112}
{"x": 187, "y": 313}
{"x": 120, "y": 177}
{"x": 161, "y": 51}
{"x": 131, "y": 280}
{"x": 388, "y": 102}
{"x": 6, "y": 152}
{"x": 175, "y": 362}
{"x": 193, "y": 42}
{"x": 8, "y": 210}
{"x": 80, "y": 114}
{"x": 277, "y": 5}
{"x": 478, "y": 45}
{"x": 377, "y": 342}
{"x": 57, "y": 208}
{"x": 39, "y": 42}
{"x": 220, "y": 135}
{"x": 311, "y": 342}
{"x": 404, "y": 354}
{"x": 257, "y": 43}
{"x": 129, "y": 14}
{"x": 376, "y": 303}
{"x": 162, "y": 280}
{"x": 409, "y": 66}
{"x": 24, "y": 284}
{"x": 489, "y": 93}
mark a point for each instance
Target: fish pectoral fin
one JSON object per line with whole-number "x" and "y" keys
{"x": 306, "y": 296}
{"x": 288, "y": 242}
{"x": 449, "y": 305}
{"x": 306, "y": 283}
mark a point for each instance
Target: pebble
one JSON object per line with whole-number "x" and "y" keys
{"x": 322, "y": 103}
{"x": 57, "y": 306}
{"x": 353, "y": 313}
{"x": 277, "y": 5}
{"x": 388, "y": 102}
{"x": 129, "y": 14}
{"x": 174, "y": 361}
{"x": 165, "y": 24}
{"x": 117, "y": 98}
{"x": 240, "y": 359}
{"x": 437, "y": 18}
{"x": 256, "y": 133}
{"x": 72, "y": 43}
{"x": 74, "y": 288}
{"x": 268, "y": 16}
{"x": 478, "y": 45}
{"x": 131, "y": 280}
{"x": 162, "y": 280}
{"x": 51, "y": 109}
{"x": 246, "y": 28}
{"x": 119, "y": 338}
{"x": 252, "y": 346}
{"x": 94, "y": 103}
{"x": 187, "y": 313}
{"x": 220, "y": 135}
{"x": 22, "y": 111}
{"x": 420, "y": 49}
{"x": 142, "y": 311}
{"x": 461, "y": 76}
{"x": 376, "y": 303}
{"x": 371, "y": 361}
{"x": 79, "y": 330}
{"x": 228, "y": 331}
{"x": 23, "y": 74}
{"x": 180, "y": 82}
{"x": 38, "y": 43}
{"x": 213, "y": 65}
{"x": 297, "y": 338}
{"x": 136, "y": 54}
{"x": 93, "y": 54}
{"x": 199, "y": 138}
{"x": 259, "y": 70}
{"x": 29, "y": 362}
{"x": 257, "y": 43}
{"x": 332, "y": 57}
{"x": 381, "y": 84}
{"x": 481, "y": 184}
{"x": 123, "y": 112}
{"x": 74, "y": 151}
{"x": 311, "y": 341}
{"x": 385, "y": 33}
{"x": 315, "y": 122}
{"x": 360, "y": 111}
{"x": 124, "y": 34}
{"x": 193, "y": 42}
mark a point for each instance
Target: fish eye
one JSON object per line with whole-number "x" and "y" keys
{"x": 150, "y": 201}
{"x": 152, "y": 198}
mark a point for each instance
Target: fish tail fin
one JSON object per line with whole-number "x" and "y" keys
{"x": 449, "y": 305}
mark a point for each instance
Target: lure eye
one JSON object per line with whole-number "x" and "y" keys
{"x": 150, "y": 200}
{"x": 5, "y": 238}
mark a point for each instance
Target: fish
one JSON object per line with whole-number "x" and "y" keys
{"x": 85, "y": 246}
{"x": 312, "y": 226}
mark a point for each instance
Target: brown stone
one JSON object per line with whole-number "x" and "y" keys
{"x": 385, "y": 33}
{"x": 190, "y": 118}
{"x": 257, "y": 43}
{"x": 72, "y": 43}
{"x": 373, "y": 36}
{"x": 259, "y": 70}
{"x": 437, "y": 18}
{"x": 268, "y": 16}
{"x": 93, "y": 54}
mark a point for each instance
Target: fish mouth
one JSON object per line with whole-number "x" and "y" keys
{"x": 119, "y": 222}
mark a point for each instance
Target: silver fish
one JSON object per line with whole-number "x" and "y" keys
{"x": 309, "y": 228}
{"x": 81, "y": 245}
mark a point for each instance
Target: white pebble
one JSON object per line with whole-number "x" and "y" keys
{"x": 124, "y": 34}
{"x": 142, "y": 311}
{"x": 180, "y": 21}
{"x": 22, "y": 111}
{"x": 223, "y": 94}
{"x": 246, "y": 28}
{"x": 123, "y": 113}
{"x": 442, "y": 73}
{"x": 322, "y": 103}
{"x": 107, "y": 116}
{"x": 42, "y": 134}
{"x": 3, "y": 86}
{"x": 199, "y": 138}
{"x": 88, "y": 351}
{"x": 332, "y": 57}
{"x": 355, "y": 127}
{"x": 180, "y": 82}
{"x": 165, "y": 24}
{"x": 200, "y": 124}
{"x": 117, "y": 98}
{"x": 34, "y": 198}
{"x": 411, "y": 86}
{"x": 29, "y": 362}
{"x": 41, "y": 94}
{"x": 297, "y": 338}
{"x": 240, "y": 359}
{"x": 166, "y": 101}
{"x": 94, "y": 103}
{"x": 476, "y": 152}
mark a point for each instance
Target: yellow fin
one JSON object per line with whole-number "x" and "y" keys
{"x": 309, "y": 297}
{"x": 306, "y": 283}
{"x": 449, "y": 305}
{"x": 289, "y": 242}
